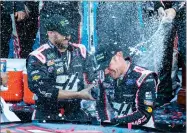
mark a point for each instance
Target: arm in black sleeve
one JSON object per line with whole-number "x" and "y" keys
{"x": 39, "y": 80}
{"x": 145, "y": 98}
{"x": 1, "y": 81}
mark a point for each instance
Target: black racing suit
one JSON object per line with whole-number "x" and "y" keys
{"x": 50, "y": 70}
{"x": 134, "y": 97}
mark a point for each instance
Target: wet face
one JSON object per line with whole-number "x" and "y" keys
{"x": 114, "y": 67}
{"x": 60, "y": 40}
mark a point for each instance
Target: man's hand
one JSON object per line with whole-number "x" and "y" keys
{"x": 161, "y": 12}
{"x": 20, "y": 15}
{"x": 4, "y": 77}
{"x": 107, "y": 121}
{"x": 168, "y": 14}
{"x": 86, "y": 93}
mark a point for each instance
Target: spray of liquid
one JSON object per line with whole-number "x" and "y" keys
{"x": 150, "y": 53}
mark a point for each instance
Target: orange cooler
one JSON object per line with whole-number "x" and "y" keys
{"x": 28, "y": 95}
{"x": 15, "y": 87}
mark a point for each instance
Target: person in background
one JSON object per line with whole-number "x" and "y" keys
{"x": 27, "y": 29}
{"x": 10, "y": 7}
{"x": 175, "y": 13}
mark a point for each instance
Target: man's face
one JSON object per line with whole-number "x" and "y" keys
{"x": 114, "y": 67}
{"x": 60, "y": 40}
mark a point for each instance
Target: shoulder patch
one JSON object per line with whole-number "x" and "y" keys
{"x": 82, "y": 49}
{"x": 138, "y": 69}
{"x": 38, "y": 53}
{"x": 144, "y": 74}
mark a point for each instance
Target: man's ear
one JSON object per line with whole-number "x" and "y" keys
{"x": 106, "y": 71}
{"x": 49, "y": 33}
{"x": 119, "y": 53}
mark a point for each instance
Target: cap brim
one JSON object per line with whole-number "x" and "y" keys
{"x": 68, "y": 30}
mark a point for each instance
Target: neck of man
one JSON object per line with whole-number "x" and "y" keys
{"x": 61, "y": 49}
{"x": 125, "y": 67}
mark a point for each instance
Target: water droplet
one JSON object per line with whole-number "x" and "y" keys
{"x": 60, "y": 115}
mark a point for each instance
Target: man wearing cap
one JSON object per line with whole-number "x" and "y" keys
{"x": 135, "y": 89}
{"x": 55, "y": 73}
{"x": 68, "y": 9}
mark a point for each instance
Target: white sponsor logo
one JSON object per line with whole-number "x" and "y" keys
{"x": 149, "y": 80}
{"x": 148, "y": 95}
{"x": 139, "y": 121}
{"x": 126, "y": 95}
{"x": 57, "y": 60}
{"x": 148, "y": 102}
{"x": 59, "y": 64}
{"x": 61, "y": 79}
{"x": 41, "y": 82}
{"x": 78, "y": 65}
{"x": 60, "y": 70}
{"x": 34, "y": 72}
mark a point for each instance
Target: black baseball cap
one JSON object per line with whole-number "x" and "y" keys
{"x": 104, "y": 55}
{"x": 59, "y": 24}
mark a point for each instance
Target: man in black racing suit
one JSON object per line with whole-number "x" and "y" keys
{"x": 55, "y": 74}
{"x": 134, "y": 90}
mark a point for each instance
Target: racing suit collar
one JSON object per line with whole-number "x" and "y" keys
{"x": 54, "y": 46}
{"x": 51, "y": 44}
